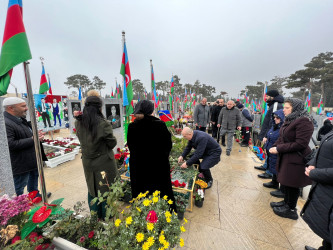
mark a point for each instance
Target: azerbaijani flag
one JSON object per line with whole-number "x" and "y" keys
{"x": 154, "y": 95}
{"x": 264, "y": 105}
{"x": 308, "y": 102}
{"x": 15, "y": 47}
{"x": 127, "y": 89}
{"x": 146, "y": 94}
{"x": 193, "y": 99}
{"x": 166, "y": 117}
{"x": 172, "y": 87}
{"x": 44, "y": 85}
{"x": 320, "y": 106}
{"x": 80, "y": 94}
{"x": 50, "y": 89}
{"x": 185, "y": 98}
{"x": 112, "y": 95}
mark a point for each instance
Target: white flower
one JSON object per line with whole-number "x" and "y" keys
{"x": 103, "y": 174}
{"x": 201, "y": 193}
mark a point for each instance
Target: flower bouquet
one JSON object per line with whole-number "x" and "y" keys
{"x": 199, "y": 196}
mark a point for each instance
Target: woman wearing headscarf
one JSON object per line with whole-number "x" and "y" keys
{"x": 149, "y": 143}
{"x": 292, "y": 147}
{"x": 318, "y": 210}
{"x": 97, "y": 141}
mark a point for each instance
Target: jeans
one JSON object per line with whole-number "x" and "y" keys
{"x": 55, "y": 119}
{"x": 265, "y": 166}
{"x": 22, "y": 180}
{"x": 230, "y": 137}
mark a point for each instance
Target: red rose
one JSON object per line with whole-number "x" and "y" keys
{"x": 118, "y": 149}
{"x": 152, "y": 217}
{"x": 91, "y": 234}
{"x": 41, "y": 214}
{"x": 117, "y": 156}
{"x": 176, "y": 183}
{"x": 16, "y": 238}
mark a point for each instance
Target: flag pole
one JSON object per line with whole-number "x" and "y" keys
{"x": 35, "y": 131}
{"x": 126, "y": 117}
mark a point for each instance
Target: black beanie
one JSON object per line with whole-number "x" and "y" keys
{"x": 272, "y": 93}
{"x": 240, "y": 106}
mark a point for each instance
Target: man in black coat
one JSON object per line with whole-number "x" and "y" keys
{"x": 214, "y": 118}
{"x": 274, "y": 101}
{"x": 21, "y": 145}
{"x": 206, "y": 148}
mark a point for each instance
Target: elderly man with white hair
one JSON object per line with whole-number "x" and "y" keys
{"x": 21, "y": 145}
{"x": 229, "y": 119}
{"x": 206, "y": 148}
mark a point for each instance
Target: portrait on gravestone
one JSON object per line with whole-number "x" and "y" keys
{"x": 76, "y": 106}
{"x": 113, "y": 115}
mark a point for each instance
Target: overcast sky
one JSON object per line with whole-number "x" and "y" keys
{"x": 227, "y": 44}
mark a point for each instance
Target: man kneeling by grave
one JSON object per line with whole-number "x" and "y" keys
{"x": 206, "y": 148}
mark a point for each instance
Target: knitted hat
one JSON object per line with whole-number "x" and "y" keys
{"x": 272, "y": 93}
{"x": 12, "y": 101}
{"x": 240, "y": 106}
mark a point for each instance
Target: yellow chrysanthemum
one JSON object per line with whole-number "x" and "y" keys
{"x": 140, "y": 237}
{"x": 144, "y": 195}
{"x": 137, "y": 208}
{"x": 160, "y": 248}
{"x": 185, "y": 221}
{"x": 117, "y": 222}
{"x": 140, "y": 195}
{"x": 170, "y": 202}
{"x": 167, "y": 214}
{"x": 129, "y": 220}
{"x": 165, "y": 197}
{"x": 168, "y": 219}
{"x": 156, "y": 193}
{"x": 166, "y": 245}
{"x": 128, "y": 206}
{"x": 155, "y": 199}
{"x": 182, "y": 228}
{"x": 162, "y": 238}
{"x": 122, "y": 212}
{"x": 150, "y": 226}
{"x": 150, "y": 241}
{"x": 146, "y": 202}
{"x": 181, "y": 242}
{"x": 145, "y": 246}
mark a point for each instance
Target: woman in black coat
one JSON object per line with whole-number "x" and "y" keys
{"x": 317, "y": 211}
{"x": 149, "y": 143}
{"x": 325, "y": 129}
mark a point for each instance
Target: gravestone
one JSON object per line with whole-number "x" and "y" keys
{"x": 6, "y": 175}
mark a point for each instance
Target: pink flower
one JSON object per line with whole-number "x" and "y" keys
{"x": 82, "y": 239}
{"x": 152, "y": 217}
{"x": 91, "y": 234}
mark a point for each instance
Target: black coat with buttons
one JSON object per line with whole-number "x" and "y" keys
{"x": 21, "y": 145}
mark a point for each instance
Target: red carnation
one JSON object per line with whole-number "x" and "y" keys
{"x": 41, "y": 214}
{"x": 91, "y": 234}
{"x": 16, "y": 238}
{"x": 152, "y": 217}
{"x": 117, "y": 156}
{"x": 176, "y": 183}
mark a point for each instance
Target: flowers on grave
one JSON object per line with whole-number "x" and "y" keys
{"x": 74, "y": 130}
{"x": 201, "y": 183}
{"x": 68, "y": 150}
{"x": 41, "y": 214}
{"x": 181, "y": 201}
{"x": 50, "y": 155}
{"x": 13, "y": 210}
{"x": 199, "y": 194}
{"x": 152, "y": 216}
{"x": 34, "y": 199}
{"x": 176, "y": 183}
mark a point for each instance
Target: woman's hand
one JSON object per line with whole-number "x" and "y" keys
{"x": 273, "y": 151}
{"x": 308, "y": 169}
{"x": 180, "y": 159}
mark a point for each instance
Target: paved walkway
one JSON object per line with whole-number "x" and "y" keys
{"x": 236, "y": 213}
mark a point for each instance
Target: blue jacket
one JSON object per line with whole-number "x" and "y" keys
{"x": 206, "y": 148}
{"x": 272, "y": 136}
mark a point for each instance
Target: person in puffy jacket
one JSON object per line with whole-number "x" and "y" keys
{"x": 325, "y": 129}
{"x": 272, "y": 136}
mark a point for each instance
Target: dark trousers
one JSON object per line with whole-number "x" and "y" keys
{"x": 214, "y": 130}
{"x": 219, "y": 136}
{"x": 326, "y": 245}
{"x": 201, "y": 128}
{"x": 98, "y": 208}
{"x": 22, "y": 180}
{"x": 45, "y": 116}
{"x": 246, "y": 132}
{"x": 291, "y": 196}
{"x": 55, "y": 119}
{"x": 206, "y": 173}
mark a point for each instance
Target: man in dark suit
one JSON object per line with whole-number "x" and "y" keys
{"x": 21, "y": 145}
{"x": 43, "y": 108}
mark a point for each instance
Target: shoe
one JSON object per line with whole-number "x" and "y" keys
{"x": 286, "y": 212}
{"x": 228, "y": 153}
{"x": 264, "y": 176}
{"x": 271, "y": 184}
{"x": 260, "y": 168}
{"x": 244, "y": 145}
{"x": 223, "y": 144}
{"x": 209, "y": 184}
{"x": 48, "y": 194}
{"x": 310, "y": 248}
{"x": 277, "y": 194}
{"x": 277, "y": 204}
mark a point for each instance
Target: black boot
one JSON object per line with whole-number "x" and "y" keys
{"x": 286, "y": 212}
{"x": 277, "y": 193}
{"x": 277, "y": 204}
{"x": 272, "y": 184}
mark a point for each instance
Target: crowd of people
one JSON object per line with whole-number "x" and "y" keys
{"x": 285, "y": 135}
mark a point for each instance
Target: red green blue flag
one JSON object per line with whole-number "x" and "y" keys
{"x": 166, "y": 117}
{"x": 127, "y": 89}
{"x": 308, "y": 102}
{"x": 320, "y": 106}
{"x": 15, "y": 47}
{"x": 44, "y": 85}
{"x": 112, "y": 95}
{"x": 264, "y": 106}
{"x": 154, "y": 95}
{"x": 172, "y": 87}
{"x": 193, "y": 99}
